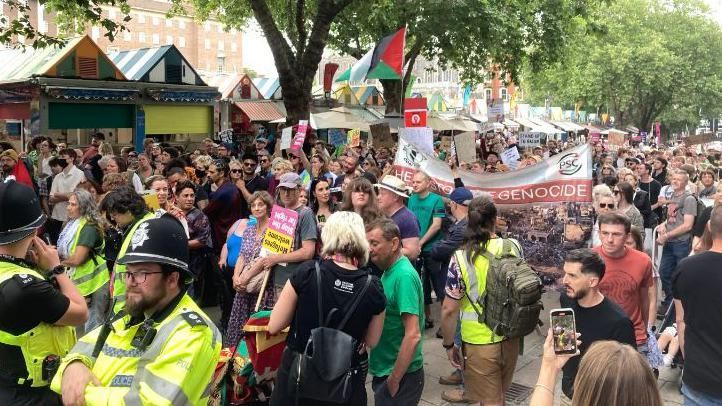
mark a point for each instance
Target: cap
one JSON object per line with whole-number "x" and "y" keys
{"x": 21, "y": 213}
{"x": 161, "y": 240}
{"x": 290, "y": 180}
{"x": 461, "y": 195}
{"x": 394, "y": 184}
{"x": 261, "y": 138}
{"x": 10, "y": 153}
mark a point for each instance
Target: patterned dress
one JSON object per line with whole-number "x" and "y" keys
{"x": 244, "y": 303}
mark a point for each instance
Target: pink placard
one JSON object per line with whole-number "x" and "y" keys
{"x": 283, "y": 220}
{"x": 300, "y": 135}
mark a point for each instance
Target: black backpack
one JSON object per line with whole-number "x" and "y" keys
{"x": 324, "y": 371}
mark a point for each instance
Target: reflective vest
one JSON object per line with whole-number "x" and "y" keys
{"x": 118, "y": 283}
{"x": 38, "y": 342}
{"x": 93, "y": 273}
{"x": 472, "y": 331}
{"x": 174, "y": 369}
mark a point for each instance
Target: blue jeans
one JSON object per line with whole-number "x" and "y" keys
{"x": 694, "y": 398}
{"x": 674, "y": 251}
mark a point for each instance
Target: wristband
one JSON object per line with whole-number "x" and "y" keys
{"x": 448, "y": 347}
{"x": 58, "y": 270}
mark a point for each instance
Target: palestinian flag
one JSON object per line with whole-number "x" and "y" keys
{"x": 384, "y": 61}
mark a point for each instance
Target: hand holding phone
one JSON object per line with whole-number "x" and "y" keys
{"x": 564, "y": 331}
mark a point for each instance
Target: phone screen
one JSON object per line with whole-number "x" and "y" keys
{"x": 563, "y": 331}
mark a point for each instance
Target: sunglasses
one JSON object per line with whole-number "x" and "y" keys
{"x": 249, "y": 164}
{"x": 606, "y": 205}
{"x": 236, "y": 171}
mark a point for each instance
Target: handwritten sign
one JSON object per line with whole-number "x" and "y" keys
{"x": 226, "y": 136}
{"x": 527, "y": 140}
{"x": 278, "y": 238}
{"x": 300, "y": 135}
{"x": 422, "y": 137}
{"x": 510, "y": 157}
{"x": 286, "y": 135}
{"x": 466, "y": 146}
{"x": 336, "y": 136}
{"x": 353, "y": 138}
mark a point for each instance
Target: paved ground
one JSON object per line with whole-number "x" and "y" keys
{"x": 436, "y": 364}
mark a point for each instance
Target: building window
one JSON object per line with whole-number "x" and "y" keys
{"x": 169, "y": 40}
{"x": 141, "y": 37}
{"x": 487, "y": 94}
{"x": 156, "y": 21}
{"x": 220, "y": 62}
{"x": 207, "y": 43}
{"x": 156, "y": 39}
{"x": 168, "y": 22}
{"x": 182, "y": 42}
{"x": 234, "y": 47}
{"x": 221, "y": 45}
{"x": 141, "y": 18}
{"x": 95, "y": 33}
{"x": 127, "y": 36}
{"x": 503, "y": 95}
{"x": 181, "y": 24}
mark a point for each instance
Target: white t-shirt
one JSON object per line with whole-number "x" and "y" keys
{"x": 65, "y": 182}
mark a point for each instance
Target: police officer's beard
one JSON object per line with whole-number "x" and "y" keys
{"x": 137, "y": 306}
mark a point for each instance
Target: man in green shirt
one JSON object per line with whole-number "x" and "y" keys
{"x": 396, "y": 363}
{"x": 428, "y": 207}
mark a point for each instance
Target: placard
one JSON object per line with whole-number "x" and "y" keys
{"x": 286, "y": 135}
{"x": 278, "y": 238}
{"x": 466, "y": 146}
{"x": 528, "y": 140}
{"x": 415, "y": 112}
{"x": 510, "y": 157}
{"x": 353, "y": 138}
{"x": 300, "y": 135}
{"x": 382, "y": 135}
{"x": 226, "y": 136}
{"x": 422, "y": 137}
{"x": 336, "y": 136}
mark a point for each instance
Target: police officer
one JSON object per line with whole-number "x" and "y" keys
{"x": 39, "y": 305}
{"x": 161, "y": 349}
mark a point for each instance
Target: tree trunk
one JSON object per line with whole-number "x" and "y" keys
{"x": 393, "y": 96}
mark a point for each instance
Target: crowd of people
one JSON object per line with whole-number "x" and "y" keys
{"x": 137, "y": 242}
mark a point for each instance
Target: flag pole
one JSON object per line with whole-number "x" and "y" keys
{"x": 403, "y": 73}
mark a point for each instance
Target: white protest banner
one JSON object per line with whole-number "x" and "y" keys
{"x": 422, "y": 137}
{"x": 510, "y": 157}
{"x": 466, "y": 146}
{"x": 527, "y": 140}
{"x": 286, "y": 136}
{"x": 546, "y": 207}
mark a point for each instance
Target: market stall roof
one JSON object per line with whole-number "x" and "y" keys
{"x": 568, "y": 126}
{"x": 592, "y": 129}
{"x": 338, "y": 119}
{"x": 259, "y": 110}
{"x": 488, "y": 127}
{"x": 546, "y": 126}
{"x": 437, "y": 103}
{"x": 163, "y": 64}
{"x": 80, "y": 57}
{"x": 365, "y": 114}
{"x": 224, "y": 82}
{"x": 270, "y": 88}
{"x": 613, "y": 130}
{"x": 532, "y": 127}
{"x": 510, "y": 124}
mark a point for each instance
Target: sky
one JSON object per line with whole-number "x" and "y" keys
{"x": 715, "y": 9}
{"x": 256, "y": 53}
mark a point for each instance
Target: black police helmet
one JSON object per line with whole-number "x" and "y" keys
{"x": 161, "y": 240}
{"x": 20, "y": 213}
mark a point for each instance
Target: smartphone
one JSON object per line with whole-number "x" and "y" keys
{"x": 564, "y": 331}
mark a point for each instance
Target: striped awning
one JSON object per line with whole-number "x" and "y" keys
{"x": 137, "y": 62}
{"x": 267, "y": 86}
{"x": 260, "y": 110}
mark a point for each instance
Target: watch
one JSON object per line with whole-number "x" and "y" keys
{"x": 448, "y": 347}
{"x": 58, "y": 270}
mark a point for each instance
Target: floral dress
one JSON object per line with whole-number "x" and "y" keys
{"x": 244, "y": 303}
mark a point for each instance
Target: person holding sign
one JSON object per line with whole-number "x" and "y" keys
{"x": 303, "y": 246}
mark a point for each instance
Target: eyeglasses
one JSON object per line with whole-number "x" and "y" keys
{"x": 236, "y": 171}
{"x": 249, "y": 164}
{"x": 265, "y": 160}
{"x": 137, "y": 277}
{"x": 606, "y": 205}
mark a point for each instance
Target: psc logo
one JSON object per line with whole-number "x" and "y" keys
{"x": 569, "y": 164}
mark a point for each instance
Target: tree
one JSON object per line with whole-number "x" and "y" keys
{"x": 296, "y": 30}
{"x": 647, "y": 65}
{"x": 470, "y": 35}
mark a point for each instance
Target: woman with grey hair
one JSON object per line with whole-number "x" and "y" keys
{"x": 334, "y": 282}
{"x": 80, "y": 245}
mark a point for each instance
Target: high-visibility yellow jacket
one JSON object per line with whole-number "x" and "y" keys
{"x": 118, "y": 283}
{"x": 472, "y": 331}
{"x": 93, "y": 273}
{"x": 174, "y": 369}
{"x": 38, "y": 342}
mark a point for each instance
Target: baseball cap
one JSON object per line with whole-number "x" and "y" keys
{"x": 461, "y": 195}
{"x": 290, "y": 180}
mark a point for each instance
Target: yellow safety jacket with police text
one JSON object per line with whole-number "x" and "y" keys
{"x": 472, "y": 330}
{"x": 93, "y": 273}
{"x": 174, "y": 369}
{"x": 118, "y": 269}
{"x": 38, "y": 342}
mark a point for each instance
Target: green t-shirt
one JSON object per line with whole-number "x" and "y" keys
{"x": 425, "y": 210}
{"x": 90, "y": 237}
{"x": 404, "y": 294}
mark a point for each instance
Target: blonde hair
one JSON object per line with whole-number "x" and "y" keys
{"x": 234, "y": 163}
{"x": 105, "y": 149}
{"x": 283, "y": 165}
{"x": 204, "y": 160}
{"x": 615, "y": 374}
{"x": 344, "y": 234}
{"x": 600, "y": 191}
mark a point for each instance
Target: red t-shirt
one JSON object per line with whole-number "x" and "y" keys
{"x": 627, "y": 281}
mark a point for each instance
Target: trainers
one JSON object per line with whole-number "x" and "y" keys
{"x": 452, "y": 379}
{"x": 455, "y": 396}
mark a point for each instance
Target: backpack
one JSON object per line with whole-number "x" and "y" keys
{"x": 324, "y": 371}
{"x": 511, "y": 303}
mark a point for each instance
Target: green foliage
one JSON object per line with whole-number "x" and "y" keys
{"x": 656, "y": 59}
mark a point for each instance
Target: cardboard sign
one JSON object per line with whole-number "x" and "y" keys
{"x": 700, "y": 139}
{"x": 415, "y": 112}
{"x": 336, "y": 136}
{"x": 278, "y": 238}
{"x": 226, "y": 136}
{"x": 382, "y": 135}
{"x": 422, "y": 137}
{"x": 466, "y": 146}
{"x": 353, "y": 138}
{"x": 300, "y": 135}
{"x": 529, "y": 140}
{"x": 286, "y": 135}
{"x": 510, "y": 157}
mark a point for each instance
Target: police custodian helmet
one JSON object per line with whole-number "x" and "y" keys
{"x": 161, "y": 240}
{"x": 20, "y": 213}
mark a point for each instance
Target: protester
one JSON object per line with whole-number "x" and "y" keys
{"x": 392, "y": 193}
{"x": 177, "y": 175}
{"x": 224, "y": 203}
{"x": 249, "y": 182}
{"x": 200, "y": 243}
{"x": 345, "y": 251}
{"x": 174, "y": 359}
{"x": 397, "y": 363}
{"x": 80, "y": 247}
{"x": 596, "y": 317}
{"x": 92, "y": 149}
{"x": 280, "y": 167}
{"x": 63, "y": 185}
{"x": 349, "y": 165}
{"x": 606, "y": 203}
{"x": 489, "y": 359}
{"x": 360, "y": 197}
{"x": 320, "y": 201}
{"x": 624, "y": 194}
{"x": 112, "y": 164}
